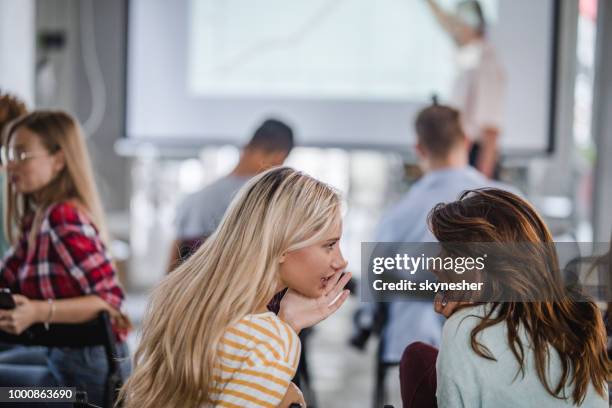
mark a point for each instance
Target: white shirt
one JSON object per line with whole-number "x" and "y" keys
{"x": 464, "y": 379}
{"x": 479, "y": 88}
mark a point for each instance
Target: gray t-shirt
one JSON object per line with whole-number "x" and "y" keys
{"x": 201, "y": 212}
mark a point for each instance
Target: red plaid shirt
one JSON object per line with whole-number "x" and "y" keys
{"x": 68, "y": 260}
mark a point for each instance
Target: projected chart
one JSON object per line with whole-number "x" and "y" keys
{"x": 337, "y": 49}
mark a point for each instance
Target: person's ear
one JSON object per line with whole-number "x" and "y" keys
{"x": 420, "y": 151}
{"x": 280, "y": 157}
{"x": 275, "y": 158}
{"x": 59, "y": 161}
{"x": 282, "y": 258}
{"x": 423, "y": 157}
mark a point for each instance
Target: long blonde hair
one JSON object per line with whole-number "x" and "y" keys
{"x": 58, "y": 131}
{"x": 233, "y": 274}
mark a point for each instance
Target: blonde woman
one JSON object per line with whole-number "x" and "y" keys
{"x": 208, "y": 339}
{"x": 58, "y": 267}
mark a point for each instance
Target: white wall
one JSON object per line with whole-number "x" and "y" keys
{"x": 602, "y": 126}
{"x": 73, "y": 90}
{"x": 17, "y": 42}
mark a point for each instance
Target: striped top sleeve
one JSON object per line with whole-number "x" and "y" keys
{"x": 258, "y": 357}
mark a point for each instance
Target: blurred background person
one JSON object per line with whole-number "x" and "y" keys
{"x": 200, "y": 213}
{"x": 479, "y": 86}
{"x": 442, "y": 147}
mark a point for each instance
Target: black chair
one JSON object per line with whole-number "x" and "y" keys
{"x": 382, "y": 367}
{"x": 81, "y": 401}
{"x": 97, "y": 332}
{"x": 302, "y": 376}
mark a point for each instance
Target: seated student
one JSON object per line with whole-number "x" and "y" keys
{"x": 199, "y": 215}
{"x": 442, "y": 149}
{"x": 207, "y": 338}
{"x": 58, "y": 269}
{"x": 508, "y": 354}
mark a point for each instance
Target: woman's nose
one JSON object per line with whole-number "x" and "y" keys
{"x": 340, "y": 263}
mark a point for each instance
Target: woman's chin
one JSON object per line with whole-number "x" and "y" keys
{"x": 312, "y": 293}
{"x": 20, "y": 188}
{"x": 309, "y": 291}
{"x": 320, "y": 291}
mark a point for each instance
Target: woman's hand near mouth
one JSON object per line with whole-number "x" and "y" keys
{"x": 301, "y": 312}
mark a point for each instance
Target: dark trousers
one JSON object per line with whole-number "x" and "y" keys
{"x": 474, "y": 154}
{"x": 84, "y": 368}
{"x": 418, "y": 376}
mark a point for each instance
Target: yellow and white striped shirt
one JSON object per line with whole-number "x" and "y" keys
{"x": 258, "y": 358}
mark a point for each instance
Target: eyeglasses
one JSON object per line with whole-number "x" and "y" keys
{"x": 9, "y": 155}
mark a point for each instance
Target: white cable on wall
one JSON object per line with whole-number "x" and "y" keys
{"x": 93, "y": 71}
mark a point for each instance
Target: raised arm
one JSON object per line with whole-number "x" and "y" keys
{"x": 449, "y": 23}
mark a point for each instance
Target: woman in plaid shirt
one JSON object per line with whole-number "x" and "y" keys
{"x": 58, "y": 267}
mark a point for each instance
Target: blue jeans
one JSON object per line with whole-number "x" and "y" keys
{"x": 84, "y": 368}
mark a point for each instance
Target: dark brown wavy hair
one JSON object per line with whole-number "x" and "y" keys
{"x": 573, "y": 328}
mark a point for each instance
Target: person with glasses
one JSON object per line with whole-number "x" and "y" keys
{"x": 58, "y": 269}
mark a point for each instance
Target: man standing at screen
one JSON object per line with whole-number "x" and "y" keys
{"x": 201, "y": 212}
{"x": 479, "y": 87}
